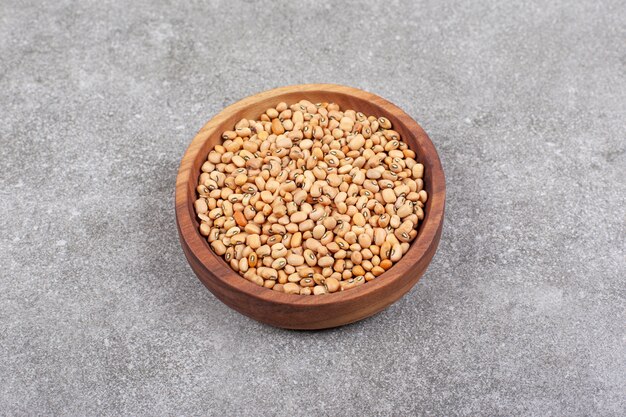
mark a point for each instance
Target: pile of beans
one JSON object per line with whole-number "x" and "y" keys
{"x": 310, "y": 199}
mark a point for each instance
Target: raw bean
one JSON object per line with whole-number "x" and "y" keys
{"x": 385, "y": 250}
{"x": 319, "y": 290}
{"x": 241, "y": 179}
{"x": 318, "y": 231}
{"x": 306, "y": 225}
{"x": 313, "y": 244}
{"x": 385, "y": 264}
{"x": 296, "y": 240}
{"x": 331, "y": 284}
{"x": 272, "y": 113}
{"x": 358, "y": 219}
{"x": 240, "y": 219}
{"x": 319, "y": 279}
{"x": 373, "y": 174}
{"x": 346, "y": 285}
{"x": 384, "y": 123}
{"x": 418, "y": 171}
{"x": 325, "y": 261}
{"x": 396, "y": 253}
{"x": 295, "y": 260}
{"x": 243, "y": 265}
{"x": 278, "y": 250}
{"x": 356, "y": 143}
{"x": 405, "y": 210}
{"x": 205, "y": 229}
{"x": 252, "y": 260}
{"x": 283, "y": 142}
{"x": 309, "y": 257}
{"x": 389, "y": 196}
{"x": 279, "y": 263}
{"x": 365, "y": 241}
{"x": 254, "y": 241}
{"x": 298, "y": 217}
{"x": 358, "y": 271}
{"x": 346, "y": 124}
{"x": 306, "y": 272}
{"x": 277, "y": 127}
{"x": 257, "y": 280}
{"x": 201, "y": 206}
{"x": 219, "y": 247}
{"x": 307, "y": 282}
{"x": 377, "y": 270}
{"x": 291, "y": 288}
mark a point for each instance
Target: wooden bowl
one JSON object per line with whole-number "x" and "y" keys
{"x": 309, "y": 311}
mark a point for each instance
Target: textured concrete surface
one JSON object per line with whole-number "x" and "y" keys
{"x": 522, "y": 311}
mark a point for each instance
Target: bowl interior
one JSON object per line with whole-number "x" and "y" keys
{"x": 348, "y": 98}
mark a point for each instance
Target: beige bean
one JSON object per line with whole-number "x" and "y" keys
{"x": 395, "y": 253}
{"x": 201, "y": 206}
{"x": 332, "y": 285}
{"x": 358, "y": 219}
{"x": 291, "y": 288}
{"x": 298, "y": 217}
{"x": 405, "y": 210}
{"x": 346, "y": 285}
{"x": 417, "y": 171}
{"x": 307, "y": 282}
{"x": 218, "y": 247}
{"x": 346, "y": 124}
{"x": 254, "y": 241}
{"x": 205, "y": 229}
{"x": 384, "y": 123}
{"x": 279, "y": 263}
{"x": 283, "y": 142}
{"x": 364, "y": 240}
{"x": 373, "y": 174}
{"x": 423, "y": 196}
{"x": 325, "y": 261}
{"x": 319, "y": 290}
{"x": 243, "y": 265}
{"x": 296, "y": 240}
{"x": 309, "y": 257}
{"x": 272, "y": 113}
{"x": 389, "y": 195}
{"x": 278, "y": 251}
{"x": 318, "y": 231}
{"x": 306, "y": 225}
{"x": 356, "y": 142}
{"x": 295, "y": 260}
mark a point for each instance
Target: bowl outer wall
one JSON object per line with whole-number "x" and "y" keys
{"x": 309, "y": 312}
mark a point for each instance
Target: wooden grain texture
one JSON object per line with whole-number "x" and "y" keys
{"x": 296, "y": 311}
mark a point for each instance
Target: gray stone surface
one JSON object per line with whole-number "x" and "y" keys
{"x": 522, "y": 311}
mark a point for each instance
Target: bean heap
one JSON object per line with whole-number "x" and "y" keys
{"x": 310, "y": 199}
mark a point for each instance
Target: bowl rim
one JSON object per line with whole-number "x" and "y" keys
{"x": 218, "y": 268}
